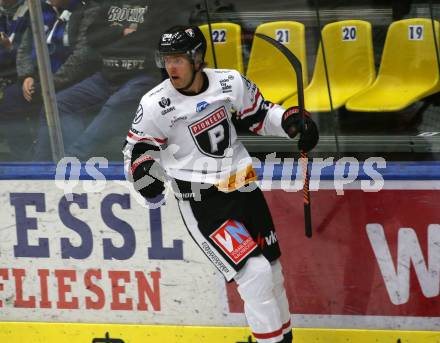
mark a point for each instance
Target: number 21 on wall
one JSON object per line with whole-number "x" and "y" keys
{"x": 282, "y": 36}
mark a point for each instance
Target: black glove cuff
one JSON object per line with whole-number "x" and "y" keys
{"x": 291, "y": 121}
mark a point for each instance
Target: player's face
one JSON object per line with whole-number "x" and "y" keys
{"x": 179, "y": 69}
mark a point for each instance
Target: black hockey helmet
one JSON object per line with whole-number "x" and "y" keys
{"x": 187, "y": 40}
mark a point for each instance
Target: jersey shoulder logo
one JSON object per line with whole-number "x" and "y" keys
{"x": 164, "y": 102}
{"x": 226, "y": 85}
{"x": 201, "y": 106}
{"x": 139, "y": 114}
{"x": 212, "y": 133}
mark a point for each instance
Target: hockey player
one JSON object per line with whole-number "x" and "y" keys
{"x": 188, "y": 125}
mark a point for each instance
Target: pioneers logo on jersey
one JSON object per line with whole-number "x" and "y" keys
{"x": 139, "y": 114}
{"x": 234, "y": 240}
{"x": 164, "y": 103}
{"x": 212, "y": 133}
{"x": 201, "y": 106}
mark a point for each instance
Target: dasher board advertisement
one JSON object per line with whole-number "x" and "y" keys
{"x": 103, "y": 257}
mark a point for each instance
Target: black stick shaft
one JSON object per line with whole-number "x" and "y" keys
{"x": 296, "y": 64}
{"x": 210, "y": 34}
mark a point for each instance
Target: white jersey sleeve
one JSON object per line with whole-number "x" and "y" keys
{"x": 144, "y": 139}
{"x": 256, "y": 114}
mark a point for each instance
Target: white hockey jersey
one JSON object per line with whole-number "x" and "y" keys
{"x": 197, "y": 134}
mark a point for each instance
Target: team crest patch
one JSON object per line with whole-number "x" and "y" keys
{"x": 234, "y": 240}
{"x": 212, "y": 133}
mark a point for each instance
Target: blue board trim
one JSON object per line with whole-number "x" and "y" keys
{"x": 393, "y": 171}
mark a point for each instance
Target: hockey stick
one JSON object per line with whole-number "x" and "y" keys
{"x": 210, "y": 34}
{"x": 296, "y": 64}
{"x": 327, "y": 79}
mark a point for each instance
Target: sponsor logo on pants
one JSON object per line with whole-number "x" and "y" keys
{"x": 234, "y": 240}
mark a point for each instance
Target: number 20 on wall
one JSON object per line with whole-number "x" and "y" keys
{"x": 349, "y": 33}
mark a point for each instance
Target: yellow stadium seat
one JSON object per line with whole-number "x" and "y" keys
{"x": 227, "y": 45}
{"x": 350, "y": 64}
{"x": 269, "y": 68}
{"x": 408, "y": 71}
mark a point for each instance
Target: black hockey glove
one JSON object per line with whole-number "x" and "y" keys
{"x": 292, "y": 123}
{"x": 146, "y": 178}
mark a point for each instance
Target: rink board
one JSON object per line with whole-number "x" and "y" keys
{"x": 103, "y": 257}
{"x": 113, "y": 333}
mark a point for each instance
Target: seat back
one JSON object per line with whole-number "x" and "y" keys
{"x": 227, "y": 45}
{"x": 269, "y": 68}
{"x": 408, "y": 70}
{"x": 349, "y": 57}
{"x": 409, "y": 53}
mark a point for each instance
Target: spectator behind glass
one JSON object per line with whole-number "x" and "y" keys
{"x": 13, "y": 22}
{"x": 66, "y": 23}
{"x": 125, "y": 39}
